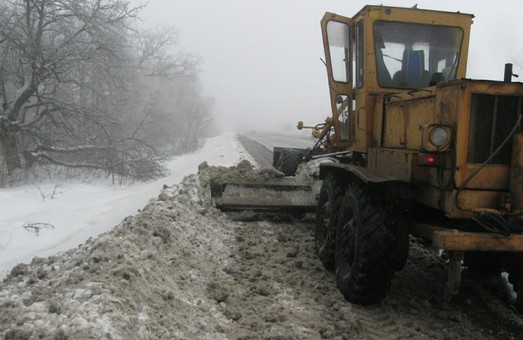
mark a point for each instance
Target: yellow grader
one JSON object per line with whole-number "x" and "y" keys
{"x": 418, "y": 149}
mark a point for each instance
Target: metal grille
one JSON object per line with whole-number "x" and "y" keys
{"x": 491, "y": 120}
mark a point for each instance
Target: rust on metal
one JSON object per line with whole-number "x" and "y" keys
{"x": 464, "y": 241}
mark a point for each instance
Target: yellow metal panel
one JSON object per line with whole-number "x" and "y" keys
{"x": 447, "y": 102}
{"x": 468, "y": 199}
{"x": 359, "y": 144}
{"x": 364, "y": 133}
{"x": 418, "y": 113}
{"x": 378, "y": 122}
{"x": 394, "y": 135}
{"x": 454, "y": 240}
{"x": 490, "y": 177}
{"x": 392, "y": 162}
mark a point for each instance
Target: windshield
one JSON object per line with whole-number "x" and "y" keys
{"x": 415, "y": 55}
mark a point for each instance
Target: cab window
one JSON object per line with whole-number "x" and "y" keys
{"x": 338, "y": 39}
{"x": 415, "y": 55}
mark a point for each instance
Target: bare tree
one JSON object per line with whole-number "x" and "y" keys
{"x": 64, "y": 66}
{"x": 168, "y": 93}
{"x": 81, "y": 88}
{"x": 155, "y": 59}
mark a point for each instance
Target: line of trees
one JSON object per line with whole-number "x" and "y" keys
{"x": 82, "y": 88}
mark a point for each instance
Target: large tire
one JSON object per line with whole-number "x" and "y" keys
{"x": 365, "y": 246}
{"x": 288, "y": 162}
{"x": 329, "y": 201}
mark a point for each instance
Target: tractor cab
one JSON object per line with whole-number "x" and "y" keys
{"x": 387, "y": 50}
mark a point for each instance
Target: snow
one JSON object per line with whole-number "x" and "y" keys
{"x": 181, "y": 269}
{"x": 70, "y": 213}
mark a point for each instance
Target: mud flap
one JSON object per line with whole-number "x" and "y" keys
{"x": 263, "y": 197}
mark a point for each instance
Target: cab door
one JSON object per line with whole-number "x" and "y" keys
{"x": 338, "y": 46}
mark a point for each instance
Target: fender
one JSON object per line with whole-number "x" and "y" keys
{"x": 350, "y": 172}
{"x": 363, "y": 174}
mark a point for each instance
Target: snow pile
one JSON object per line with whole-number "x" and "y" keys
{"x": 163, "y": 273}
{"x": 244, "y": 171}
{"x": 77, "y": 211}
{"x": 240, "y": 190}
{"x": 130, "y": 282}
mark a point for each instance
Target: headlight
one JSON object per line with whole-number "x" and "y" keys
{"x": 439, "y": 136}
{"x": 436, "y": 138}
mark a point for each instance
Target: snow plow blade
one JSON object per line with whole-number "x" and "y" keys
{"x": 263, "y": 197}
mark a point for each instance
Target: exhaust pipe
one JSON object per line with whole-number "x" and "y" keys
{"x": 507, "y": 78}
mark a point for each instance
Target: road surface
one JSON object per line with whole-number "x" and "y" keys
{"x": 261, "y": 144}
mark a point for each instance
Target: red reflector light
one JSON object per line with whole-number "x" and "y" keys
{"x": 430, "y": 160}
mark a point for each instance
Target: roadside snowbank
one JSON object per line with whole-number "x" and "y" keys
{"x": 73, "y": 212}
{"x": 150, "y": 277}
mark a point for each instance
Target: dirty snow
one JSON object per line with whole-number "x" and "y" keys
{"x": 180, "y": 269}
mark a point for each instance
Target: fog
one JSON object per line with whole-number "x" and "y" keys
{"x": 261, "y": 59}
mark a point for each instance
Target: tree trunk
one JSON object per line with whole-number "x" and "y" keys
{"x": 3, "y": 170}
{"x": 9, "y": 155}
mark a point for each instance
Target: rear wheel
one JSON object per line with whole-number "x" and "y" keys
{"x": 365, "y": 246}
{"x": 288, "y": 162}
{"x": 326, "y": 219}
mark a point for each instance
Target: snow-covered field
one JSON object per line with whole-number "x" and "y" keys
{"x": 40, "y": 220}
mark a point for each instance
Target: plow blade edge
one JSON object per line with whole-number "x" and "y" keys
{"x": 263, "y": 197}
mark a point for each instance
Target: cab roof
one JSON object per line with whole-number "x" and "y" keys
{"x": 414, "y": 10}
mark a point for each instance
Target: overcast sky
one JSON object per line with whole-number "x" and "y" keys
{"x": 262, "y": 57}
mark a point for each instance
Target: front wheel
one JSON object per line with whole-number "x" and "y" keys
{"x": 329, "y": 201}
{"x": 365, "y": 246}
{"x": 288, "y": 162}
